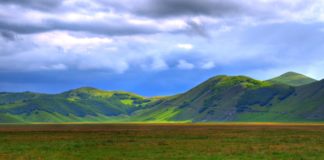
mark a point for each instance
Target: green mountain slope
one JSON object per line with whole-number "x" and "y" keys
{"x": 304, "y": 104}
{"x": 83, "y": 104}
{"x": 220, "y": 98}
{"x": 293, "y": 79}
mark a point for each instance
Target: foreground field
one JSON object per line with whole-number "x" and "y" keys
{"x": 162, "y": 141}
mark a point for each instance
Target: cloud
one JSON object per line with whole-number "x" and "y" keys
{"x": 7, "y": 35}
{"x": 251, "y": 12}
{"x": 68, "y": 42}
{"x": 112, "y": 28}
{"x": 34, "y": 4}
{"x": 158, "y": 37}
{"x": 183, "y": 64}
{"x": 172, "y": 8}
{"x": 59, "y": 66}
{"x": 23, "y": 28}
{"x": 208, "y": 65}
{"x": 128, "y": 35}
{"x": 197, "y": 28}
{"x": 159, "y": 64}
{"x": 140, "y": 18}
{"x": 185, "y": 46}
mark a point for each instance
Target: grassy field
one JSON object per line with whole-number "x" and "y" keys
{"x": 162, "y": 141}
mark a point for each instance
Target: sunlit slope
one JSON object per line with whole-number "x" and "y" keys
{"x": 293, "y": 79}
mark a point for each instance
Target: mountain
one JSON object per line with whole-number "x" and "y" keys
{"x": 293, "y": 79}
{"x": 220, "y": 98}
{"x": 83, "y": 104}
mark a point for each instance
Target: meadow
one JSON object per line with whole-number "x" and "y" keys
{"x": 162, "y": 141}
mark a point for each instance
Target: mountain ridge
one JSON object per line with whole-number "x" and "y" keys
{"x": 220, "y": 98}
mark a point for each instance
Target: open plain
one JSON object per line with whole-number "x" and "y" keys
{"x": 163, "y": 141}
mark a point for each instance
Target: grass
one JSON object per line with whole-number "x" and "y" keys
{"x": 163, "y": 141}
{"x": 293, "y": 79}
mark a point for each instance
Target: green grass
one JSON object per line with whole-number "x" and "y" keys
{"x": 236, "y": 141}
{"x": 127, "y": 101}
{"x": 293, "y": 79}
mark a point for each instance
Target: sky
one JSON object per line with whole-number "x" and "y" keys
{"x": 155, "y": 47}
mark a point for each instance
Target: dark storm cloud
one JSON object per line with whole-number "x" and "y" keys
{"x": 112, "y": 28}
{"x": 7, "y": 35}
{"x": 23, "y": 28}
{"x": 45, "y": 5}
{"x": 142, "y": 8}
{"x": 170, "y": 8}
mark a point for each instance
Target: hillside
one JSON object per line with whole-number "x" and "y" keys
{"x": 220, "y": 98}
{"x": 83, "y": 104}
{"x": 293, "y": 79}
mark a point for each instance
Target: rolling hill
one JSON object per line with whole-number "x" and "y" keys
{"x": 293, "y": 79}
{"x": 220, "y": 98}
{"x": 83, "y": 104}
